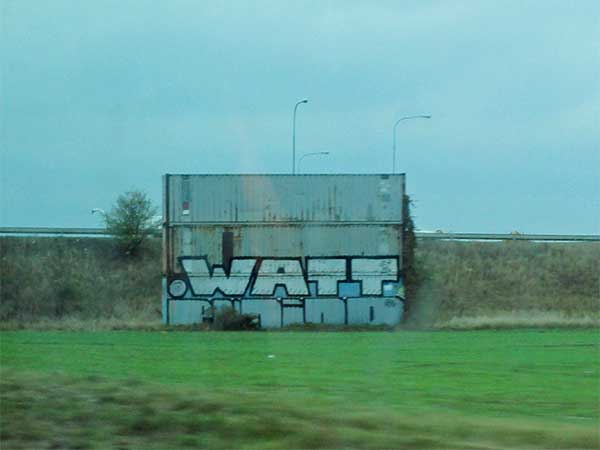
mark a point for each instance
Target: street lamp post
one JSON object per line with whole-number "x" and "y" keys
{"x": 310, "y": 154}
{"x": 99, "y": 211}
{"x": 395, "y": 125}
{"x": 294, "y": 136}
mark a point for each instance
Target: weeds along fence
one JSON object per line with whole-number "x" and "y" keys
{"x": 483, "y": 279}
{"x": 57, "y": 277}
{"x": 84, "y": 277}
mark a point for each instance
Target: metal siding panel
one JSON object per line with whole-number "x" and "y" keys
{"x": 291, "y": 217}
{"x": 386, "y": 310}
{"x": 314, "y": 241}
{"x": 284, "y": 198}
{"x": 358, "y": 310}
{"x": 287, "y": 241}
{"x": 164, "y": 301}
{"x": 165, "y": 229}
{"x": 269, "y": 310}
{"x": 174, "y": 193}
{"x": 184, "y": 312}
{"x": 225, "y": 198}
{"x": 333, "y": 310}
{"x": 292, "y": 316}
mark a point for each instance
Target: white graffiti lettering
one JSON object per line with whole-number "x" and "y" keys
{"x": 326, "y": 272}
{"x": 373, "y": 272}
{"x": 203, "y": 282}
{"x": 280, "y": 272}
{"x": 247, "y": 277}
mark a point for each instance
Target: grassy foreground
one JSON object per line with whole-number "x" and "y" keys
{"x": 479, "y": 389}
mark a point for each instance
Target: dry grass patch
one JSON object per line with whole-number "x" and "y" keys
{"x": 520, "y": 319}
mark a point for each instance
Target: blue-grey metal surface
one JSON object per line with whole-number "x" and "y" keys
{"x": 284, "y": 198}
{"x": 285, "y": 240}
{"x": 330, "y": 311}
{"x": 374, "y": 311}
{"x": 268, "y": 311}
{"x": 288, "y": 249}
{"x": 185, "y": 312}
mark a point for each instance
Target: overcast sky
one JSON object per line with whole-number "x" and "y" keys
{"x": 100, "y": 97}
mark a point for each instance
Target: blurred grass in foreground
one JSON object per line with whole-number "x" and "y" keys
{"x": 93, "y": 412}
{"x": 475, "y": 389}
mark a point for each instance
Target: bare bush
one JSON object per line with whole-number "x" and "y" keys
{"x": 130, "y": 220}
{"x": 229, "y": 319}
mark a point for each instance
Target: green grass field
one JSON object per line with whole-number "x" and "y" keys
{"x": 478, "y": 389}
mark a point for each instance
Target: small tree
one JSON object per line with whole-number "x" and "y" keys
{"x": 130, "y": 220}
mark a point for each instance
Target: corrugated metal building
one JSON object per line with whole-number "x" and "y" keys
{"x": 288, "y": 248}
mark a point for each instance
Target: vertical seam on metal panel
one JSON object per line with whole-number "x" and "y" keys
{"x": 303, "y": 310}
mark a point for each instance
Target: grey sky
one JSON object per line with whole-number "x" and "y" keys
{"x": 104, "y": 96}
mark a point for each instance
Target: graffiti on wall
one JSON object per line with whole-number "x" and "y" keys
{"x": 248, "y": 277}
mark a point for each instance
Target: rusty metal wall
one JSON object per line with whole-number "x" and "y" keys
{"x": 284, "y": 198}
{"x": 210, "y": 219}
{"x": 281, "y": 240}
{"x": 282, "y": 215}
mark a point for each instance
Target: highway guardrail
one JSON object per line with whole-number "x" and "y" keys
{"x": 102, "y": 232}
